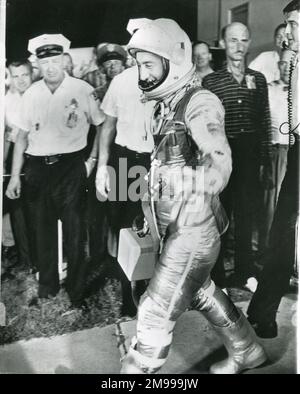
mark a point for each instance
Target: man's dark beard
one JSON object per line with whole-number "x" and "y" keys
{"x": 147, "y": 86}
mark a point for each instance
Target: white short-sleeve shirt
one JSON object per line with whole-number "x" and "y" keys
{"x": 267, "y": 64}
{"x": 278, "y": 100}
{"x": 13, "y": 105}
{"x": 58, "y": 122}
{"x": 123, "y": 101}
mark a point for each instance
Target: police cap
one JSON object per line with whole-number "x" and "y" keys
{"x": 48, "y": 45}
{"x": 110, "y": 52}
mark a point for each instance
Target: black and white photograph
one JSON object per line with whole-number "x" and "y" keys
{"x": 150, "y": 189}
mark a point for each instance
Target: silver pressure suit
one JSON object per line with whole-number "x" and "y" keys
{"x": 191, "y": 165}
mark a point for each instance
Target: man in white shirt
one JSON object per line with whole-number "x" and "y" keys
{"x": 21, "y": 79}
{"x": 15, "y": 228}
{"x": 124, "y": 143}
{"x": 56, "y": 115}
{"x": 281, "y": 256}
{"x": 267, "y": 62}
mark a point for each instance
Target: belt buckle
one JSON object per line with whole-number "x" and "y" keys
{"x": 49, "y": 160}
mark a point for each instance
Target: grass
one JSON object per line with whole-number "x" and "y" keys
{"x": 53, "y": 316}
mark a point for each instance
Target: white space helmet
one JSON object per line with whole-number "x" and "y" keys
{"x": 165, "y": 38}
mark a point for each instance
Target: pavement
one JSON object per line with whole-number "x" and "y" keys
{"x": 98, "y": 350}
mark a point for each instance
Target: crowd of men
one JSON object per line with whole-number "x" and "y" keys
{"x": 68, "y": 140}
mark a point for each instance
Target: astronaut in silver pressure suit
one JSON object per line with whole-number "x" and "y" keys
{"x": 191, "y": 165}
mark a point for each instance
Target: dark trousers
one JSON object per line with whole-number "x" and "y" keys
{"x": 20, "y": 227}
{"x": 280, "y": 257}
{"x": 53, "y": 192}
{"x": 96, "y": 224}
{"x": 96, "y": 215}
{"x": 122, "y": 210}
{"x": 19, "y": 222}
{"x": 270, "y": 192}
{"x": 240, "y": 199}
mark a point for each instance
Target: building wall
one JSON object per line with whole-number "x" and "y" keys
{"x": 207, "y": 20}
{"x": 264, "y": 16}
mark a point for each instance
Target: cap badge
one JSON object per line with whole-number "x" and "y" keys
{"x": 110, "y": 47}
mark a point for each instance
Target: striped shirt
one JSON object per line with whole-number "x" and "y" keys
{"x": 246, "y": 104}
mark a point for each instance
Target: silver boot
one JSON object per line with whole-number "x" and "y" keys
{"x": 130, "y": 364}
{"x": 236, "y": 332}
{"x": 135, "y": 363}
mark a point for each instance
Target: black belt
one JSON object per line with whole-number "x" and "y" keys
{"x": 241, "y": 134}
{"x": 123, "y": 151}
{"x": 278, "y": 145}
{"x": 52, "y": 159}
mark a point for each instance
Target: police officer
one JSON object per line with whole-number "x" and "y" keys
{"x": 110, "y": 62}
{"x": 56, "y": 114}
{"x": 190, "y": 145}
{"x": 112, "y": 58}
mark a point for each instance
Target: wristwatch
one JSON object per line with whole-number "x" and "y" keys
{"x": 93, "y": 159}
